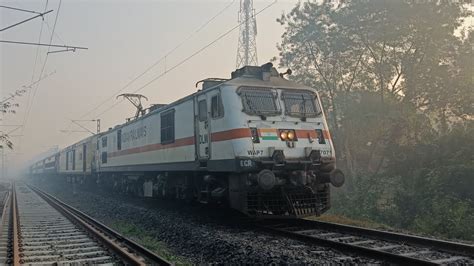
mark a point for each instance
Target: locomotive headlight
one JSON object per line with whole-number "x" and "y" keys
{"x": 291, "y": 135}
{"x": 287, "y": 134}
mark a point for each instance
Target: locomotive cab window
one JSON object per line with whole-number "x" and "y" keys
{"x": 259, "y": 101}
{"x": 301, "y": 104}
{"x": 217, "y": 109}
{"x": 167, "y": 127}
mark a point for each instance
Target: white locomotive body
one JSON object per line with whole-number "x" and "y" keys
{"x": 257, "y": 141}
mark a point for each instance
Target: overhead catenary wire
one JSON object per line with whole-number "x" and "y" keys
{"x": 35, "y": 63}
{"x": 36, "y": 59}
{"x": 26, "y": 20}
{"x": 55, "y": 32}
{"x": 19, "y": 9}
{"x": 187, "y": 58}
{"x": 25, "y": 120}
{"x": 45, "y": 44}
{"x": 38, "y": 48}
{"x": 26, "y": 87}
{"x": 161, "y": 59}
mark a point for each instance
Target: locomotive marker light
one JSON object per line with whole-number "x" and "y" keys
{"x": 255, "y": 137}
{"x": 320, "y": 136}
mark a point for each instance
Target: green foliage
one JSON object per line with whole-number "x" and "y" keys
{"x": 446, "y": 216}
{"x": 397, "y": 79}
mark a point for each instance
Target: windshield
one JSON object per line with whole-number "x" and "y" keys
{"x": 300, "y": 103}
{"x": 259, "y": 101}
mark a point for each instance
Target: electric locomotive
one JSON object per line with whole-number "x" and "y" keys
{"x": 256, "y": 141}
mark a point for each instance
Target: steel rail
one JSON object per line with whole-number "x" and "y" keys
{"x": 284, "y": 228}
{"x": 361, "y": 251}
{"x": 6, "y": 203}
{"x": 5, "y": 233}
{"x": 443, "y": 245}
{"x": 16, "y": 228}
{"x": 104, "y": 233}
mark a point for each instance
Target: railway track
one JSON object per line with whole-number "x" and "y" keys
{"x": 385, "y": 246}
{"x": 5, "y": 232}
{"x": 39, "y": 229}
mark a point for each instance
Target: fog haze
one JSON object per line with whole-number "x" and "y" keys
{"x": 123, "y": 39}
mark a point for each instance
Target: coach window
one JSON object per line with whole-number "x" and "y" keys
{"x": 217, "y": 109}
{"x": 167, "y": 127}
{"x": 202, "y": 110}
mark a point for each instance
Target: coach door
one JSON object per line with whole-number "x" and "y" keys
{"x": 202, "y": 127}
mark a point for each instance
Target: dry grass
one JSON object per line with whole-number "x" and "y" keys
{"x": 142, "y": 237}
{"x": 348, "y": 221}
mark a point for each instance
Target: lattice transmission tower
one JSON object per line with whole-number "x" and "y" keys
{"x": 247, "y": 49}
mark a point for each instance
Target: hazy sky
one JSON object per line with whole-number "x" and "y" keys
{"x": 124, "y": 38}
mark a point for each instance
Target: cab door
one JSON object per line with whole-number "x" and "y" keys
{"x": 202, "y": 127}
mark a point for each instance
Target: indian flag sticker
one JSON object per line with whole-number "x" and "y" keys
{"x": 268, "y": 134}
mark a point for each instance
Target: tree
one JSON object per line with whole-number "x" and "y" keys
{"x": 404, "y": 51}
{"x": 396, "y": 79}
{"x": 8, "y": 106}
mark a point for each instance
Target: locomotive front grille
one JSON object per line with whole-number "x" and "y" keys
{"x": 303, "y": 202}
{"x": 324, "y": 198}
{"x": 295, "y": 202}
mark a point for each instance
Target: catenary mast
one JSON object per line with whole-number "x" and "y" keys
{"x": 247, "y": 49}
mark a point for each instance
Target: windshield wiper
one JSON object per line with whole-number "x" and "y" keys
{"x": 249, "y": 104}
